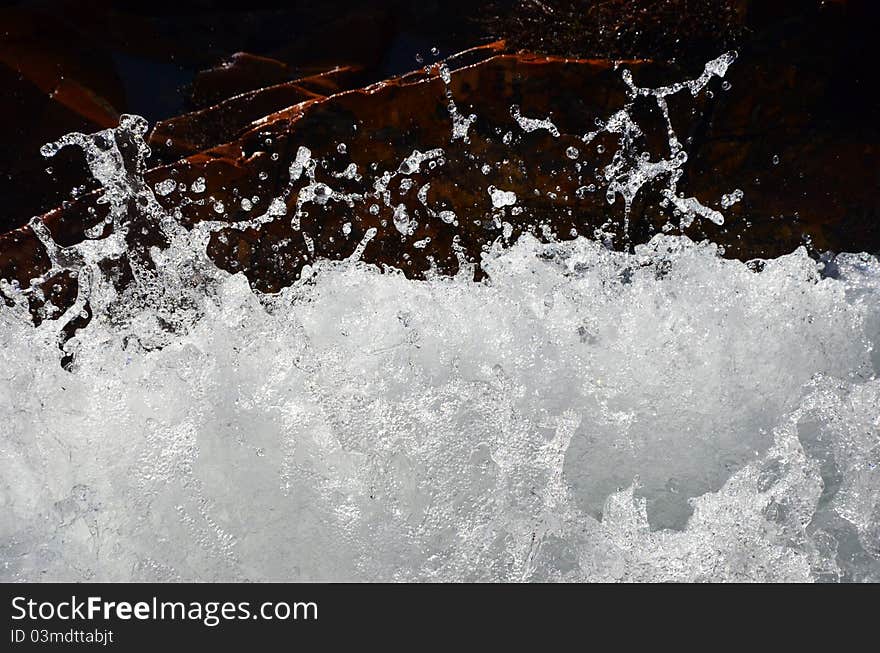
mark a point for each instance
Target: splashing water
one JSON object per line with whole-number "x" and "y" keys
{"x": 583, "y": 414}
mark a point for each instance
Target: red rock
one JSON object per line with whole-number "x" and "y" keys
{"x": 61, "y": 64}
{"x": 392, "y": 119}
{"x": 240, "y": 73}
{"x": 382, "y": 124}
{"x": 54, "y": 81}
{"x": 193, "y": 132}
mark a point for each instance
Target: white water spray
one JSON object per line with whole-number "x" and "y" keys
{"x": 583, "y": 414}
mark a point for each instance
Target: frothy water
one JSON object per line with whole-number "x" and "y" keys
{"x": 581, "y": 414}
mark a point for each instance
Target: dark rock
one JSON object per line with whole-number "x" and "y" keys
{"x": 823, "y": 189}
{"x": 798, "y": 132}
{"x": 694, "y": 30}
{"x": 54, "y": 81}
{"x": 238, "y": 74}
{"x": 193, "y": 132}
{"x": 382, "y": 125}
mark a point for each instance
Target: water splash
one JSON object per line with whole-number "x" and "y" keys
{"x": 730, "y": 199}
{"x": 533, "y": 124}
{"x": 662, "y": 415}
{"x": 584, "y": 414}
{"x": 630, "y": 171}
{"x": 460, "y": 123}
{"x": 119, "y": 170}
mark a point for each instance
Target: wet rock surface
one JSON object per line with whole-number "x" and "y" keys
{"x": 54, "y": 85}
{"x": 239, "y": 73}
{"x": 768, "y": 136}
{"x": 225, "y": 121}
{"x": 163, "y": 59}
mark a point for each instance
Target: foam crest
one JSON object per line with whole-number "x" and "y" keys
{"x": 582, "y": 415}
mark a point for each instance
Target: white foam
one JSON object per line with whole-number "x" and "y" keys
{"x": 582, "y": 415}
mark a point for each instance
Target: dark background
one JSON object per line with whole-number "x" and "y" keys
{"x": 143, "y": 55}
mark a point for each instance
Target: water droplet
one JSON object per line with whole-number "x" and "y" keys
{"x": 729, "y": 200}
{"x": 277, "y": 207}
{"x": 165, "y": 187}
{"x": 401, "y": 220}
{"x": 501, "y": 198}
{"x": 444, "y": 74}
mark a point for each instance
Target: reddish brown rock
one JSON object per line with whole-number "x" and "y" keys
{"x": 732, "y": 139}
{"x": 54, "y": 81}
{"x": 239, "y": 73}
{"x": 193, "y": 132}
{"x": 380, "y": 126}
